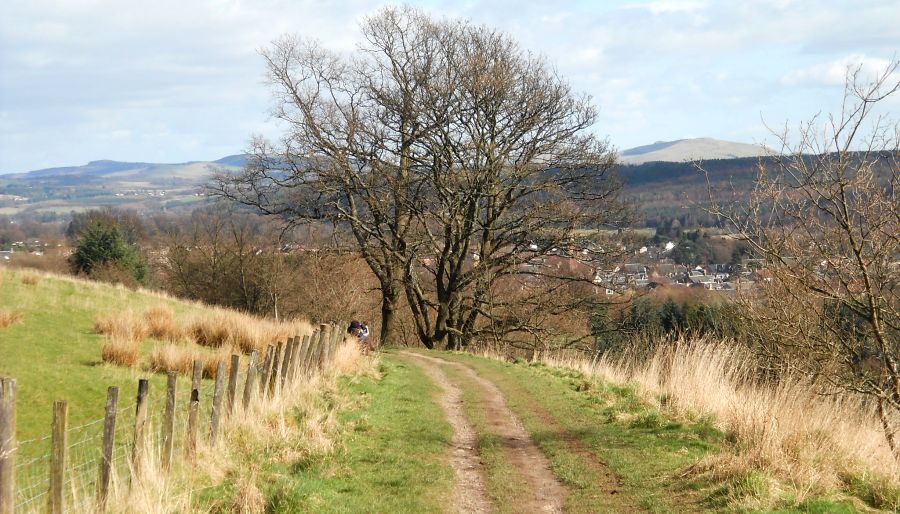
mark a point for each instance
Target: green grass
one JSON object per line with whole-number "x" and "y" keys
{"x": 54, "y": 354}
{"x": 391, "y": 456}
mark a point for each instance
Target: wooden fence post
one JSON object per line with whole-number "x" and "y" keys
{"x": 7, "y": 444}
{"x": 140, "y": 432}
{"x": 335, "y": 341}
{"x": 311, "y": 354}
{"x": 251, "y": 379}
{"x": 232, "y": 384}
{"x": 217, "y": 404}
{"x": 190, "y": 446}
{"x": 59, "y": 447}
{"x": 266, "y": 369}
{"x": 286, "y": 362}
{"x": 304, "y": 353}
{"x": 276, "y": 366}
{"x": 168, "y": 424}
{"x": 326, "y": 351}
{"x": 109, "y": 439}
{"x": 312, "y": 359}
{"x": 325, "y": 330}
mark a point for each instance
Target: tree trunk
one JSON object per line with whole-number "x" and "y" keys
{"x": 389, "y": 303}
{"x": 890, "y": 432}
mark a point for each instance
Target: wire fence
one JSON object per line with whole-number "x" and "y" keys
{"x": 64, "y": 474}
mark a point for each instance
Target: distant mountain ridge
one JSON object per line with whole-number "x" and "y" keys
{"x": 104, "y": 167}
{"x": 656, "y": 178}
{"x": 681, "y": 150}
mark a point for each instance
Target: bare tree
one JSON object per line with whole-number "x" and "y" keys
{"x": 354, "y": 125}
{"x": 514, "y": 176}
{"x": 825, "y": 217}
{"x": 436, "y": 142}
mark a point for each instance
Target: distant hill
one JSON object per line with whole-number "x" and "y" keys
{"x": 142, "y": 186}
{"x": 682, "y": 150}
{"x": 657, "y": 187}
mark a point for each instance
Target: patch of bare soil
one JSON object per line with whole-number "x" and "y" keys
{"x": 469, "y": 493}
{"x": 525, "y": 456}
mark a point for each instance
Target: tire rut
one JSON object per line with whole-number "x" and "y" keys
{"x": 470, "y": 494}
{"x": 547, "y": 492}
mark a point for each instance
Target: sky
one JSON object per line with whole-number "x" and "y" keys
{"x": 182, "y": 80}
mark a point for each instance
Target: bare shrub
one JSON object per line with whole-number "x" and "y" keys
{"x": 121, "y": 352}
{"x": 8, "y": 317}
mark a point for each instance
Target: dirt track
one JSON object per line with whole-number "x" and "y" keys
{"x": 547, "y": 493}
{"x": 469, "y": 492}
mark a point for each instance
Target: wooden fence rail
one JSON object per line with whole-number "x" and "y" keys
{"x": 284, "y": 363}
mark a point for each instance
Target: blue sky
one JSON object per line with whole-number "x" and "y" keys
{"x": 178, "y": 80}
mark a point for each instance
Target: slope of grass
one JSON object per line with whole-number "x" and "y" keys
{"x": 53, "y": 351}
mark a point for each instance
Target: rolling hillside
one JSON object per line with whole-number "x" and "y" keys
{"x": 425, "y": 431}
{"x": 146, "y": 187}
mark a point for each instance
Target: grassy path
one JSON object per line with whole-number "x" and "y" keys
{"x": 519, "y": 477}
{"x": 612, "y": 453}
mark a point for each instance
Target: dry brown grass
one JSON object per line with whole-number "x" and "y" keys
{"x": 125, "y": 325}
{"x": 816, "y": 443}
{"x": 121, "y": 352}
{"x": 171, "y": 357}
{"x": 180, "y": 358}
{"x": 30, "y": 279}
{"x": 248, "y": 499}
{"x": 9, "y": 316}
{"x": 161, "y": 324}
{"x": 232, "y": 328}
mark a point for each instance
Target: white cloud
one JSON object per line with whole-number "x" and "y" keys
{"x": 674, "y": 6}
{"x": 833, "y": 73}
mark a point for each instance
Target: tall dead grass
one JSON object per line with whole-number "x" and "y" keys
{"x": 180, "y": 358}
{"x": 161, "y": 324}
{"x": 210, "y": 337}
{"x": 9, "y": 316}
{"x": 219, "y": 328}
{"x": 240, "y": 330}
{"x": 30, "y": 279}
{"x": 125, "y": 325}
{"x": 816, "y": 442}
{"x": 121, "y": 352}
{"x": 293, "y": 426}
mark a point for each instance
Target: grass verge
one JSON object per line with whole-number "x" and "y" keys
{"x": 390, "y": 445}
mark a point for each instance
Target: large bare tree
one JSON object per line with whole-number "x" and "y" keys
{"x": 354, "y": 127}
{"x": 436, "y": 144}
{"x": 514, "y": 176}
{"x": 825, "y": 217}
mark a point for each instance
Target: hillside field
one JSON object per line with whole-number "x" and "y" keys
{"x": 417, "y": 431}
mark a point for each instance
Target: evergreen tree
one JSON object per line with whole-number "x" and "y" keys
{"x": 102, "y": 244}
